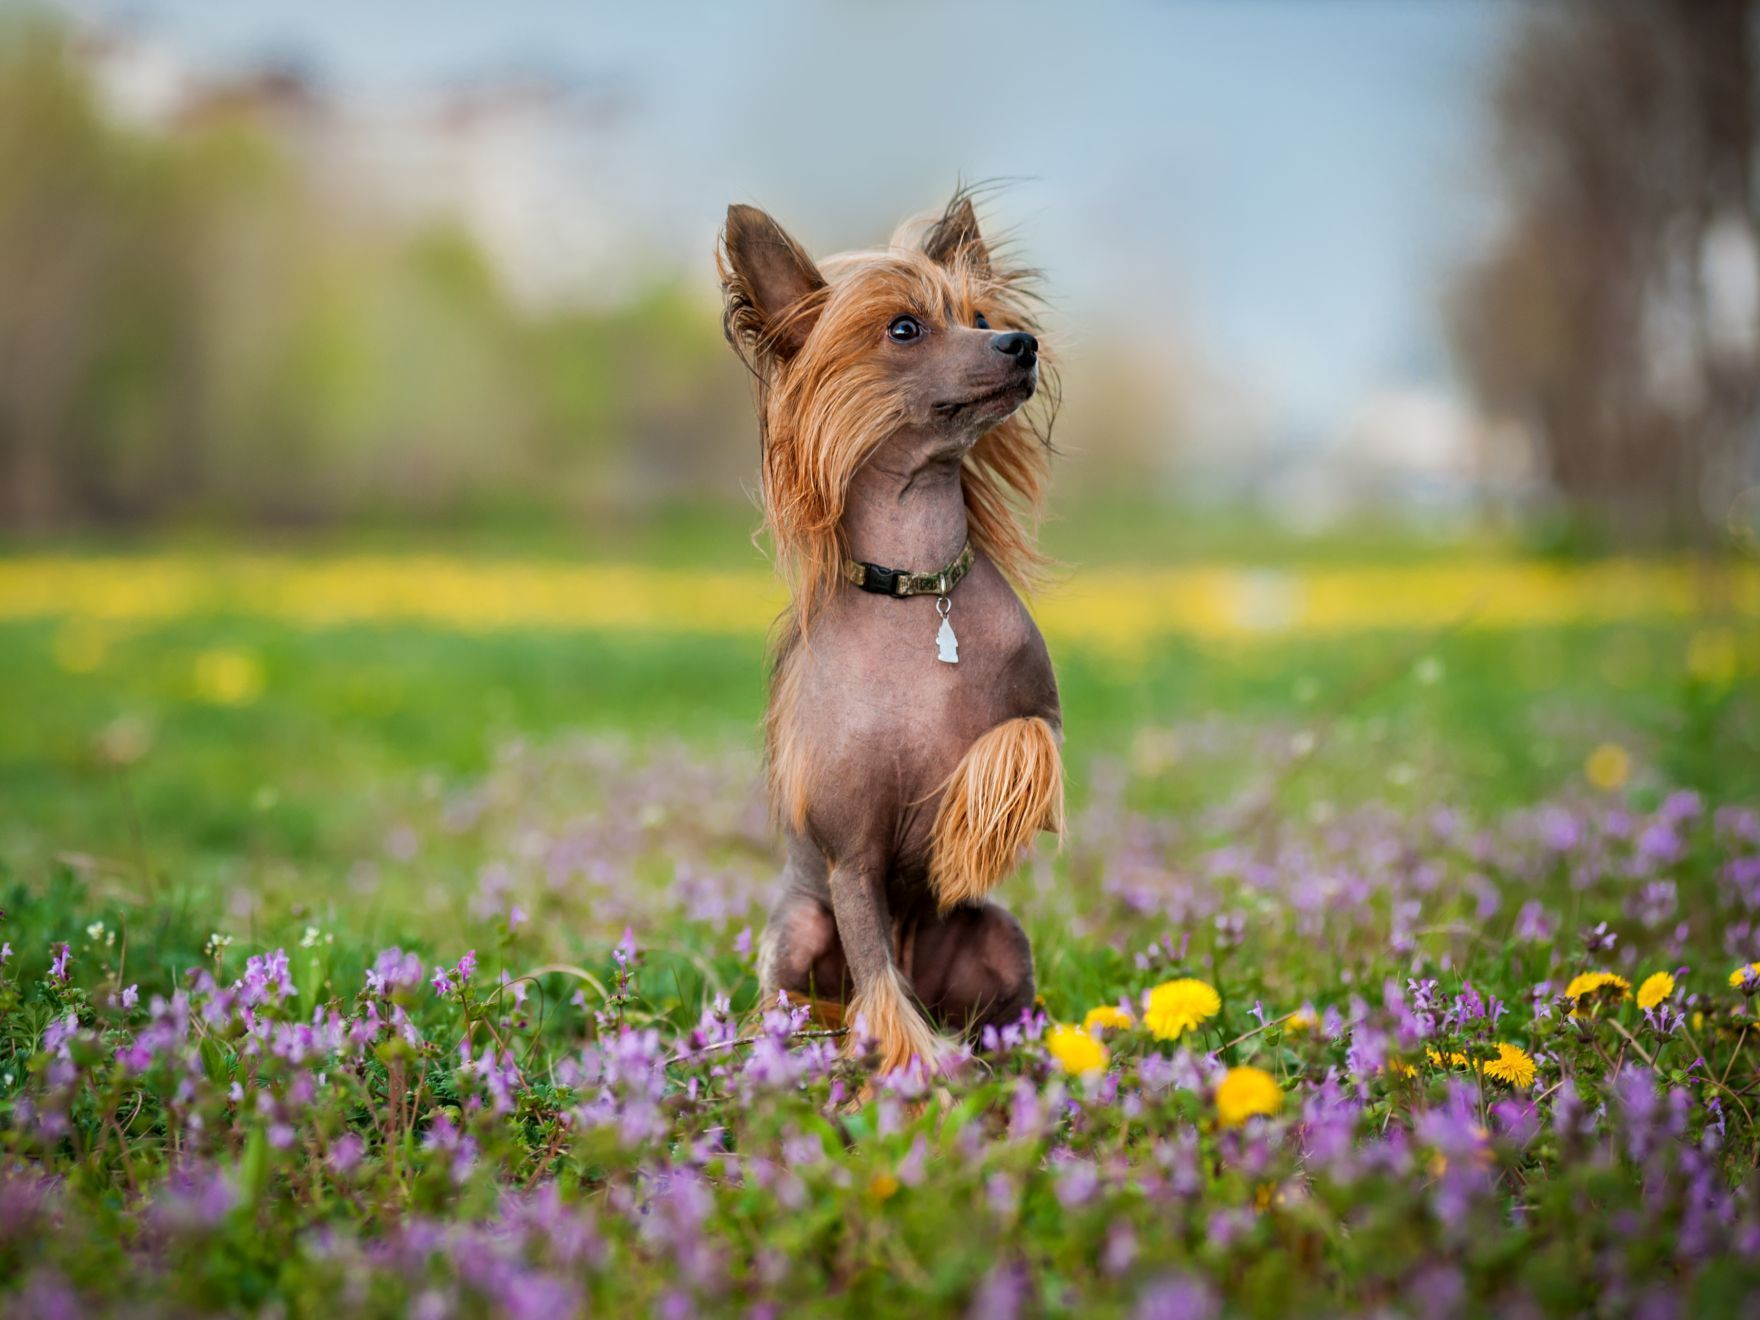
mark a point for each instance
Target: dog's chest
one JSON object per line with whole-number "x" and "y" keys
{"x": 879, "y": 679}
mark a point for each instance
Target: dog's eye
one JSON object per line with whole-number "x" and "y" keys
{"x": 981, "y": 321}
{"x": 904, "y": 329}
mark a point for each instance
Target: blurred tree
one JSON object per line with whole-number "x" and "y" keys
{"x": 189, "y": 326}
{"x": 58, "y": 180}
{"x": 1617, "y": 319}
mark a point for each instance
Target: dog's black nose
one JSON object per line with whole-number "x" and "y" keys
{"x": 1018, "y": 344}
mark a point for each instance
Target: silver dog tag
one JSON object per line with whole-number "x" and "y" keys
{"x": 946, "y": 644}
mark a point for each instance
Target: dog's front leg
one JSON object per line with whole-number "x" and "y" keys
{"x": 883, "y": 1003}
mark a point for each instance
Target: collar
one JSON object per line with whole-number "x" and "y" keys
{"x": 902, "y": 582}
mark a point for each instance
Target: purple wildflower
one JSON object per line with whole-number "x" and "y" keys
{"x": 1176, "y": 1297}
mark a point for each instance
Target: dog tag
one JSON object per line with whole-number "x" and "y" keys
{"x": 946, "y": 644}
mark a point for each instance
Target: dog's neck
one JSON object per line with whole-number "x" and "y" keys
{"x": 906, "y": 507}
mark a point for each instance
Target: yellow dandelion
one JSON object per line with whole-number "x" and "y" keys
{"x": 227, "y": 676}
{"x": 1107, "y": 1017}
{"x": 1454, "y": 1059}
{"x": 1246, "y": 1091}
{"x": 1301, "y": 1020}
{"x": 1176, "y": 1007}
{"x": 1587, "y": 985}
{"x": 1657, "y": 987}
{"x": 1512, "y": 1065}
{"x": 1741, "y": 974}
{"x": 1401, "y": 1068}
{"x": 1075, "y": 1050}
{"x": 1609, "y": 767}
{"x": 883, "y": 1186}
{"x": 1712, "y": 657}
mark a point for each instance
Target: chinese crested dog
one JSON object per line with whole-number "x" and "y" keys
{"x": 913, "y": 727}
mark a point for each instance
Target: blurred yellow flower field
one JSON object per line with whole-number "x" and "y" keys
{"x": 1116, "y": 609}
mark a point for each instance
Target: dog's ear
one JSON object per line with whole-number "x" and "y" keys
{"x": 767, "y": 281}
{"x": 955, "y": 237}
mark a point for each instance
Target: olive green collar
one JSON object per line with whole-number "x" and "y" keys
{"x": 901, "y": 582}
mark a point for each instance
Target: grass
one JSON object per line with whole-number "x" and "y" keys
{"x": 1299, "y": 821}
{"x": 342, "y": 715}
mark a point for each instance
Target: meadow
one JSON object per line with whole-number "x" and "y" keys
{"x": 379, "y": 935}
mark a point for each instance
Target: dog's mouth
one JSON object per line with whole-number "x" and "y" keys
{"x": 1002, "y": 400}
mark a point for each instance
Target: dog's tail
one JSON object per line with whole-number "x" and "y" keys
{"x": 1007, "y": 787}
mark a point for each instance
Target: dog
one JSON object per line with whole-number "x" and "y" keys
{"x": 913, "y": 728}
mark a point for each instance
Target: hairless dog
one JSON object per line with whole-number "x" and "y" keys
{"x": 913, "y": 726}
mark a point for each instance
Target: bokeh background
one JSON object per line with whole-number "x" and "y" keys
{"x": 285, "y": 265}
{"x": 364, "y": 407}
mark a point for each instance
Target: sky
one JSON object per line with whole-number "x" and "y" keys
{"x": 1281, "y": 189}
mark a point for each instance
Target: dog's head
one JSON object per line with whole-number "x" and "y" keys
{"x": 930, "y": 339}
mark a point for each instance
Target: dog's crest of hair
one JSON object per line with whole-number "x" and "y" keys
{"x": 823, "y": 408}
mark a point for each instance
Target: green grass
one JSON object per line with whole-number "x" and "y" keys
{"x": 350, "y": 720}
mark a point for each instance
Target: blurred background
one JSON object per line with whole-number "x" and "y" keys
{"x": 365, "y": 416}
{"x": 1454, "y": 265}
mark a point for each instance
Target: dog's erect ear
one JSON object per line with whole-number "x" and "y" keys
{"x": 768, "y": 280}
{"x": 955, "y": 235}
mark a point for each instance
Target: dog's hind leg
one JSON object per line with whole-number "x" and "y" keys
{"x": 972, "y": 967}
{"x": 801, "y": 954}
{"x": 883, "y": 1003}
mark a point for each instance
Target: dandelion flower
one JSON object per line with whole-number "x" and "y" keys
{"x": 1455, "y": 1059}
{"x": 1107, "y": 1017}
{"x": 1608, "y": 767}
{"x": 1176, "y": 1007}
{"x": 1301, "y": 1020}
{"x": 1512, "y": 1065}
{"x": 227, "y": 676}
{"x": 883, "y": 1186}
{"x": 1597, "y": 985}
{"x": 1656, "y": 988}
{"x": 1740, "y": 976}
{"x": 1075, "y": 1050}
{"x": 1712, "y": 657}
{"x": 1246, "y": 1091}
